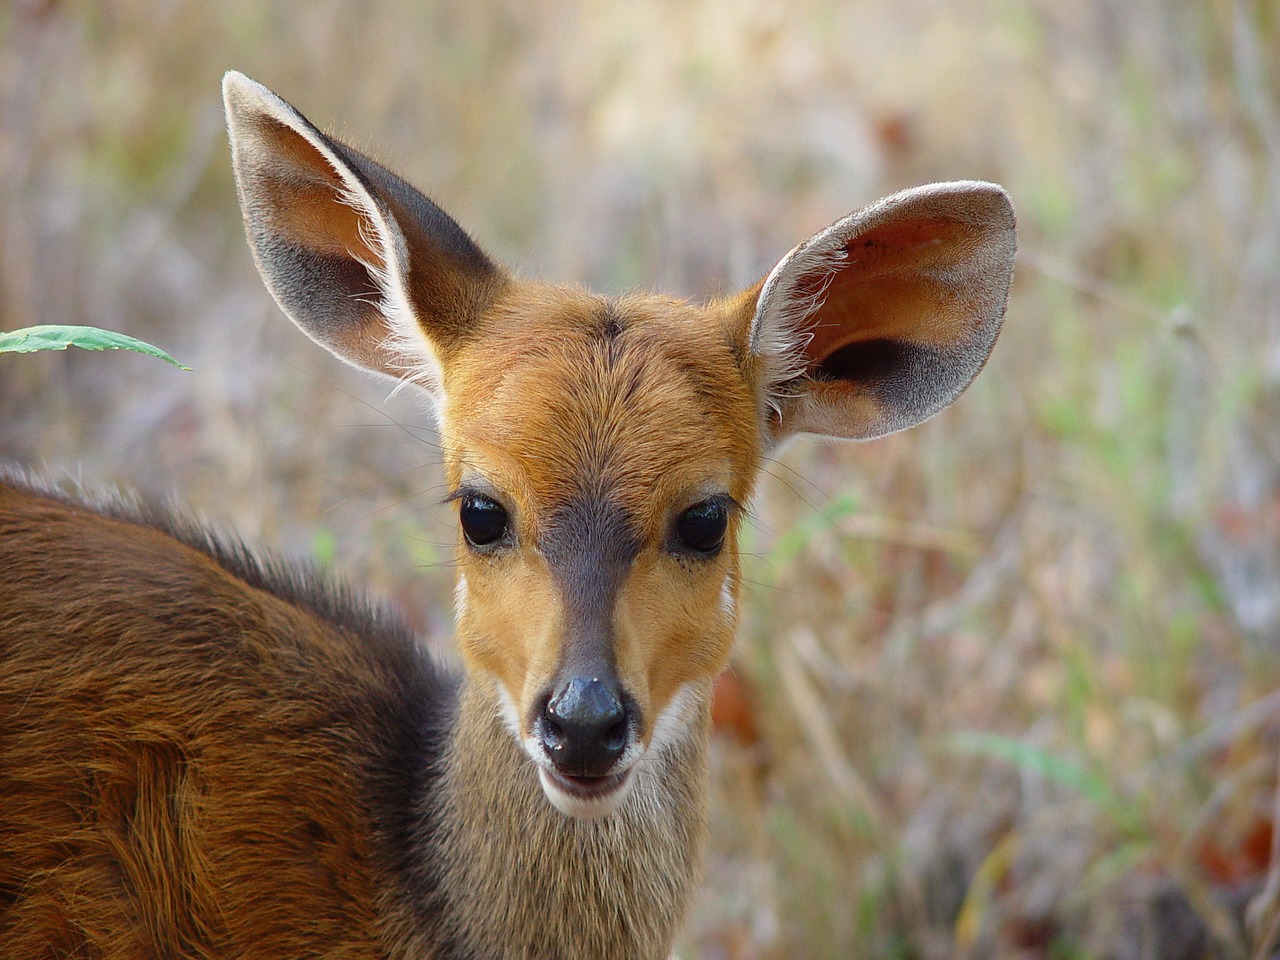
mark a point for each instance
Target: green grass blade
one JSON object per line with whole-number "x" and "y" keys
{"x": 57, "y": 337}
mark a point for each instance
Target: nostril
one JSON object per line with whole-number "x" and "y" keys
{"x": 615, "y": 738}
{"x": 551, "y": 732}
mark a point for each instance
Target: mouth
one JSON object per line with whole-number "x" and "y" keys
{"x": 585, "y": 798}
{"x": 589, "y": 788}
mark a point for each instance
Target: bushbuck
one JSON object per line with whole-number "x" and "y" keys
{"x": 206, "y": 751}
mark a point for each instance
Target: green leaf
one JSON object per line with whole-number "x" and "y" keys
{"x": 56, "y": 337}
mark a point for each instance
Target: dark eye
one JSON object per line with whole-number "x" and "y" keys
{"x": 701, "y": 527}
{"x": 484, "y": 521}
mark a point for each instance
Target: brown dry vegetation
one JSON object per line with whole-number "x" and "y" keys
{"x": 1009, "y": 682}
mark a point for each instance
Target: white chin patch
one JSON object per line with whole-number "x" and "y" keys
{"x": 584, "y": 800}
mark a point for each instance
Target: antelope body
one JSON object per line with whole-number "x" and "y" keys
{"x": 206, "y": 752}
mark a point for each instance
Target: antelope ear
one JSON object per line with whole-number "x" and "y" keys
{"x": 883, "y": 318}
{"x": 361, "y": 261}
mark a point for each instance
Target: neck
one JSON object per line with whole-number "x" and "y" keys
{"x": 517, "y": 878}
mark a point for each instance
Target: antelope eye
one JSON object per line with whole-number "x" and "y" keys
{"x": 484, "y": 521}
{"x": 701, "y": 528}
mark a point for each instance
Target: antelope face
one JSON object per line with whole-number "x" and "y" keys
{"x": 599, "y": 451}
{"x": 599, "y": 474}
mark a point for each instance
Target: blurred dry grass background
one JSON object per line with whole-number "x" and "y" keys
{"x": 1008, "y": 685}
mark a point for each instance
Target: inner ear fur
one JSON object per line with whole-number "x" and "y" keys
{"x": 365, "y": 264}
{"x": 882, "y": 319}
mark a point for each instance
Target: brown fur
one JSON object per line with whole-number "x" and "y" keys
{"x": 170, "y": 741}
{"x": 205, "y": 753}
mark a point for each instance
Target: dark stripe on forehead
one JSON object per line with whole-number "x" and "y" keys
{"x": 612, "y": 326}
{"x": 589, "y": 545}
{"x": 612, "y": 322}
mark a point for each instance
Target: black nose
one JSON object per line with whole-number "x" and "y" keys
{"x": 584, "y": 728}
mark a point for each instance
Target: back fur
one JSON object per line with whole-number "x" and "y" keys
{"x": 199, "y": 747}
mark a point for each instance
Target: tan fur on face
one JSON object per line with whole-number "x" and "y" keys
{"x": 628, "y": 401}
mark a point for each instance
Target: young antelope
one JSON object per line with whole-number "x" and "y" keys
{"x": 206, "y": 752}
